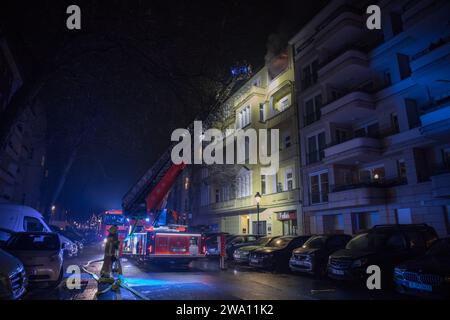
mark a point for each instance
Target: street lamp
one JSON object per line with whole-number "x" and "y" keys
{"x": 258, "y": 200}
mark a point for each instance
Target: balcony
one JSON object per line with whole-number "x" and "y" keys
{"x": 427, "y": 58}
{"x": 280, "y": 198}
{"x": 248, "y": 204}
{"x": 440, "y": 184}
{"x": 345, "y": 25}
{"x": 356, "y": 195}
{"x": 350, "y": 107}
{"x": 278, "y": 117}
{"x": 436, "y": 124}
{"x": 356, "y": 150}
{"x": 347, "y": 69}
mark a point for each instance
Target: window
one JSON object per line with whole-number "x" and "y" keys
{"x": 286, "y": 140}
{"x": 373, "y": 174}
{"x": 341, "y": 135}
{"x": 263, "y": 184}
{"x": 244, "y": 117}
{"x": 289, "y": 179}
{"x": 446, "y": 158}
{"x": 394, "y": 123}
{"x": 225, "y": 193}
{"x": 401, "y": 170}
{"x": 447, "y": 218}
{"x": 365, "y": 220}
{"x": 312, "y": 109}
{"x": 316, "y": 145}
{"x": 261, "y": 112}
{"x": 403, "y": 64}
{"x": 31, "y": 224}
{"x": 318, "y": 183}
{"x": 217, "y": 195}
{"x": 309, "y": 74}
{"x": 279, "y": 187}
{"x": 244, "y": 184}
{"x": 284, "y": 103}
{"x": 403, "y": 216}
{"x": 396, "y": 23}
{"x": 204, "y": 196}
{"x": 262, "y": 227}
{"x": 387, "y": 78}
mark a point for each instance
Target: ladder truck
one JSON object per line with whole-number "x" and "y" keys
{"x": 154, "y": 232}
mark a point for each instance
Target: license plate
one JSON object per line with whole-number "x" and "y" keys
{"x": 338, "y": 272}
{"x": 419, "y": 286}
{"x": 254, "y": 261}
{"x": 299, "y": 262}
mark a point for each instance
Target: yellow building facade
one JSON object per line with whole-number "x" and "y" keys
{"x": 227, "y": 192}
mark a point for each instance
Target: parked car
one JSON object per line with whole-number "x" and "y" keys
{"x": 70, "y": 247}
{"x": 20, "y": 218}
{"x": 313, "y": 256}
{"x": 384, "y": 246}
{"x": 275, "y": 256}
{"x": 13, "y": 279}
{"x": 41, "y": 253}
{"x": 235, "y": 242}
{"x": 428, "y": 275}
{"x": 241, "y": 255}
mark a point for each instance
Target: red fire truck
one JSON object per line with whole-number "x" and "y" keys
{"x": 154, "y": 232}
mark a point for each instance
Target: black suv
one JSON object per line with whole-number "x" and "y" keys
{"x": 428, "y": 275}
{"x": 313, "y": 256}
{"x": 385, "y": 246}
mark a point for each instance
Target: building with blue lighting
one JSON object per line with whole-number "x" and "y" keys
{"x": 374, "y": 115}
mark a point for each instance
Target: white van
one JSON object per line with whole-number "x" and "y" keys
{"x": 19, "y": 218}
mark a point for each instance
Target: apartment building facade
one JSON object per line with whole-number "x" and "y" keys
{"x": 222, "y": 197}
{"x": 374, "y": 116}
{"x": 22, "y": 158}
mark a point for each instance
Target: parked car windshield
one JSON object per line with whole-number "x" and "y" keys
{"x": 280, "y": 242}
{"x": 367, "y": 241}
{"x": 33, "y": 242}
{"x": 440, "y": 248}
{"x": 316, "y": 242}
{"x": 264, "y": 241}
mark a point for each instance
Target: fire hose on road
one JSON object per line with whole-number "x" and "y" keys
{"x": 121, "y": 283}
{"x": 111, "y": 267}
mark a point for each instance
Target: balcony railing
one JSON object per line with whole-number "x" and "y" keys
{"x": 382, "y": 183}
{"x": 431, "y": 47}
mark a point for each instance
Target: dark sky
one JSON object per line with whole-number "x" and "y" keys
{"x": 136, "y": 71}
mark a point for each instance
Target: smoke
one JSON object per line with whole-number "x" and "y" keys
{"x": 276, "y": 44}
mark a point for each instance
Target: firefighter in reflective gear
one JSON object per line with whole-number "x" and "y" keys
{"x": 111, "y": 261}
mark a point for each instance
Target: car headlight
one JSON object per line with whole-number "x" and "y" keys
{"x": 359, "y": 262}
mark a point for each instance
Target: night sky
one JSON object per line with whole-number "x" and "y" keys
{"x": 137, "y": 70}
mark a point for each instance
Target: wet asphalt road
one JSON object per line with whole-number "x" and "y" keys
{"x": 204, "y": 280}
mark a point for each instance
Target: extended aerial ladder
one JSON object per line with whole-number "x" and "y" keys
{"x": 148, "y": 193}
